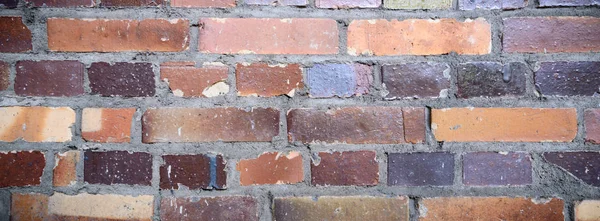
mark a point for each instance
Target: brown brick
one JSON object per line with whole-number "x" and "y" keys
{"x": 49, "y": 78}
{"x": 583, "y": 165}
{"x": 203, "y": 3}
{"x": 29, "y": 207}
{"x": 107, "y": 125}
{"x": 15, "y": 36}
{"x": 587, "y": 210}
{"x": 360, "y": 125}
{"x": 185, "y": 80}
{"x": 60, "y": 3}
{"x": 126, "y": 3}
{"x": 271, "y": 168}
{"x": 491, "y": 79}
{"x": 4, "y": 75}
{"x": 117, "y": 167}
{"x": 490, "y": 208}
{"x": 348, "y": 168}
{"x": 416, "y": 80}
{"x": 193, "y": 172}
{"x": 419, "y": 37}
{"x": 341, "y": 208}
{"x": 209, "y": 124}
{"x": 21, "y": 168}
{"x": 568, "y": 78}
{"x": 268, "y": 36}
{"x": 265, "y": 80}
{"x": 551, "y": 34}
{"x": 65, "y": 167}
{"x": 497, "y": 169}
{"x": 36, "y": 124}
{"x": 242, "y": 208}
{"x": 592, "y": 125}
{"x": 122, "y": 79}
{"x": 103, "y": 35}
{"x": 504, "y": 124}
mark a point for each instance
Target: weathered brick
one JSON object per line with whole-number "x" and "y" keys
{"x": 420, "y": 169}
{"x": 417, "y": 4}
{"x": 203, "y": 3}
{"x": 341, "y": 208}
{"x": 490, "y": 208}
{"x": 15, "y": 36}
{"x": 243, "y": 208}
{"x": 122, "y": 79}
{"x": 277, "y": 2}
{"x": 4, "y": 75}
{"x": 21, "y": 168}
{"x": 347, "y": 3}
{"x": 36, "y": 124}
{"x": 60, "y": 3}
{"x": 504, "y": 124}
{"x": 265, "y": 80}
{"x": 553, "y": 3}
{"x": 117, "y": 167}
{"x": 551, "y": 34}
{"x": 416, "y": 80}
{"x": 103, "y": 35}
{"x": 121, "y": 3}
{"x": 9, "y": 3}
{"x": 341, "y": 80}
{"x": 107, "y": 125}
{"x": 359, "y": 168}
{"x": 65, "y": 167}
{"x": 268, "y": 36}
{"x": 49, "y": 78}
{"x": 360, "y": 125}
{"x": 491, "y": 79}
{"x": 587, "y": 210}
{"x": 185, "y": 80}
{"x": 497, "y": 169}
{"x": 419, "y": 37}
{"x": 271, "y": 168}
{"x": 491, "y": 5}
{"x": 583, "y": 165}
{"x": 592, "y": 125}
{"x": 209, "y": 124}
{"x": 193, "y": 172}
{"x": 29, "y": 206}
{"x": 568, "y": 78}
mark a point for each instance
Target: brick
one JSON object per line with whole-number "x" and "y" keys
{"x": 490, "y": 208}
{"x": 268, "y": 36}
{"x": 209, "y": 208}
{"x": 16, "y": 36}
{"x": 583, "y": 165}
{"x": 587, "y": 210}
{"x": 126, "y": 3}
{"x": 104, "y": 35}
{"x": 107, "y": 125}
{"x": 65, "y": 168}
{"x": 420, "y": 169}
{"x": 504, "y": 124}
{"x": 491, "y": 79}
{"x": 347, "y": 3}
{"x": 271, "y": 168}
{"x": 592, "y": 125}
{"x": 416, "y": 80}
{"x": 341, "y": 208}
{"x": 568, "y": 78}
{"x": 193, "y": 172}
{"x": 497, "y": 169}
{"x": 553, "y": 3}
{"x": 265, "y": 80}
{"x": 49, "y": 78}
{"x": 277, "y": 2}
{"x": 417, "y": 4}
{"x": 29, "y": 206}
{"x": 491, "y": 5}
{"x": 60, "y": 3}
{"x": 21, "y": 168}
{"x": 122, "y": 79}
{"x": 185, "y": 80}
{"x": 209, "y": 124}
{"x": 551, "y": 34}
{"x": 9, "y": 3}
{"x": 341, "y": 80}
{"x": 419, "y": 37}
{"x": 4, "y": 75}
{"x": 117, "y": 167}
{"x": 358, "y": 168}
{"x": 36, "y": 124}
{"x": 357, "y": 125}
{"x": 203, "y": 3}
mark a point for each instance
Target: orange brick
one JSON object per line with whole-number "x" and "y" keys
{"x": 107, "y": 125}
{"x": 185, "y": 80}
{"x": 265, "y": 80}
{"x": 65, "y": 167}
{"x": 504, "y": 124}
{"x": 36, "y": 124}
{"x": 271, "y": 168}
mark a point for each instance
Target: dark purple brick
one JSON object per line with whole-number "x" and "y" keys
{"x": 416, "y": 80}
{"x": 22, "y": 168}
{"x": 420, "y": 169}
{"x": 242, "y": 208}
{"x": 491, "y": 4}
{"x": 193, "y": 172}
{"x": 553, "y": 3}
{"x": 9, "y": 3}
{"x": 491, "y": 79}
{"x": 583, "y": 165}
{"x": 568, "y": 78}
{"x": 592, "y": 125}
{"x": 121, "y": 3}
{"x": 15, "y": 36}
{"x": 60, "y": 3}
{"x": 4, "y": 75}
{"x": 497, "y": 169}
{"x": 358, "y": 168}
{"x": 49, "y": 78}
{"x": 122, "y": 79}
{"x": 118, "y": 167}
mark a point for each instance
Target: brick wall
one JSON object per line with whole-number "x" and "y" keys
{"x": 299, "y": 110}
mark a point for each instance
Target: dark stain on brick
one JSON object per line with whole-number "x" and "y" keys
{"x": 4, "y": 75}
{"x": 22, "y": 168}
{"x": 118, "y": 167}
{"x": 491, "y": 79}
{"x": 49, "y": 78}
{"x": 16, "y": 37}
{"x": 416, "y": 80}
{"x": 193, "y": 172}
{"x": 242, "y": 208}
{"x": 568, "y": 78}
{"x": 497, "y": 169}
{"x": 122, "y": 79}
{"x": 345, "y": 168}
{"x": 9, "y": 3}
{"x": 420, "y": 169}
{"x": 583, "y": 165}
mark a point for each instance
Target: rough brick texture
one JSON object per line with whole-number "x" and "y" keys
{"x": 21, "y": 168}
{"x": 271, "y": 168}
{"x": 122, "y": 79}
{"x": 592, "y": 125}
{"x": 587, "y": 210}
{"x": 49, "y": 78}
{"x": 341, "y": 80}
{"x": 491, "y": 79}
{"x": 420, "y": 169}
{"x": 203, "y": 3}
{"x": 209, "y": 208}
{"x": 416, "y": 80}
{"x": 491, "y": 5}
{"x": 496, "y": 169}
{"x": 358, "y": 168}
{"x": 4, "y": 75}
{"x": 564, "y": 78}
{"x": 193, "y": 172}
{"x": 185, "y": 80}
{"x": 61, "y": 3}
{"x": 583, "y": 165}
{"x": 16, "y": 37}
{"x": 266, "y": 80}
{"x": 107, "y": 125}
{"x": 36, "y": 124}
{"x": 65, "y": 168}
{"x": 117, "y": 167}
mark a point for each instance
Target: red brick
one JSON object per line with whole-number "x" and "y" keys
{"x": 592, "y": 125}
{"x": 185, "y": 80}
{"x": 117, "y": 167}
{"x": 107, "y": 125}
{"x": 268, "y": 36}
{"x": 203, "y": 3}
{"x": 103, "y": 35}
{"x": 358, "y": 125}
{"x": 121, "y": 3}
{"x": 122, "y": 79}
{"x": 49, "y": 78}
{"x": 243, "y": 208}
{"x": 4, "y": 75}
{"x": 36, "y": 124}
{"x": 15, "y": 36}
{"x": 265, "y": 80}
{"x": 193, "y": 172}
{"x": 209, "y": 124}
{"x": 21, "y": 168}
{"x": 271, "y": 168}
{"x": 61, "y": 3}
{"x": 348, "y": 168}
{"x": 65, "y": 168}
